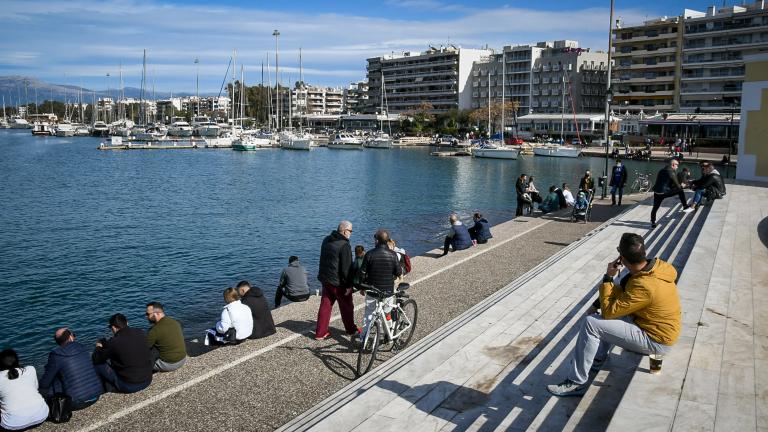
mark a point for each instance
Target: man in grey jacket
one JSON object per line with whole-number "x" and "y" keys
{"x": 293, "y": 283}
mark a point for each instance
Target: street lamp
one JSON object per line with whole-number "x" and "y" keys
{"x": 276, "y": 34}
{"x": 608, "y": 97}
{"x": 197, "y": 84}
{"x": 730, "y": 136}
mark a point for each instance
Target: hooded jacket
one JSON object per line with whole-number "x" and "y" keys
{"x": 650, "y": 298}
{"x": 71, "y": 365}
{"x": 335, "y": 261}
{"x": 263, "y": 324}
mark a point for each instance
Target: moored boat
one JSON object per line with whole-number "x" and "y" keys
{"x": 64, "y": 129}
{"x": 557, "y": 151}
{"x": 495, "y": 152}
{"x": 345, "y": 141}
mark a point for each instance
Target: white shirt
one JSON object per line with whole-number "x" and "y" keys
{"x": 242, "y": 317}
{"x": 568, "y": 197}
{"x": 20, "y": 403}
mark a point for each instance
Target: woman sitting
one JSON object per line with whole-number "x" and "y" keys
{"x": 20, "y": 403}
{"x": 531, "y": 190}
{"x": 235, "y": 324}
{"x": 551, "y": 202}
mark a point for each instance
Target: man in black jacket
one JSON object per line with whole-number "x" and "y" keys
{"x": 710, "y": 185}
{"x": 70, "y": 371}
{"x": 124, "y": 362}
{"x": 253, "y": 297}
{"x": 380, "y": 269}
{"x": 667, "y": 185}
{"x": 335, "y": 275}
{"x": 520, "y": 185}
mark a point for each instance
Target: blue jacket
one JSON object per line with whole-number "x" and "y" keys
{"x": 461, "y": 238}
{"x": 70, "y": 366}
{"x": 481, "y": 231}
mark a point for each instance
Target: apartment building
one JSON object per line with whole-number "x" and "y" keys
{"x": 316, "y": 100}
{"x": 567, "y": 74}
{"x": 355, "y": 97}
{"x": 715, "y": 43}
{"x": 518, "y": 63}
{"x": 646, "y": 61}
{"x": 438, "y": 76}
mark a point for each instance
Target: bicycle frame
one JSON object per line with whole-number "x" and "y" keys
{"x": 380, "y": 316}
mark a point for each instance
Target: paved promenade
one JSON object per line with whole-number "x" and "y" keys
{"x": 487, "y": 369}
{"x": 263, "y": 384}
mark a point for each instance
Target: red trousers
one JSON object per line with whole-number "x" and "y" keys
{"x": 331, "y": 294}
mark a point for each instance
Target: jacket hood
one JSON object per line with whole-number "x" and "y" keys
{"x": 337, "y": 236}
{"x": 254, "y": 292}
{"x": 661, "y": 269}
{"x": 296, "y": 263}
{"x": 70, "y": 349}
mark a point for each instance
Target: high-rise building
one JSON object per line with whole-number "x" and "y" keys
{"x": 355, "y": 97}
{"x": 316, "y": 100}
{"x": 438, "y": 76}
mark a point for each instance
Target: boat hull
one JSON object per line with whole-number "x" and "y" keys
{"x": 296, "y": 144}
{"x": 491, "y": 153}
{"x": 557, "y": 152}
{"x": 378, "y": 143}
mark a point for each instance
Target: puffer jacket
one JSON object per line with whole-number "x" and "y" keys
{"x": 650, "y": 298}
{"x": 380, "y": 267}
{"x": 71, "y": 365}
{"x": 335, "y": 261}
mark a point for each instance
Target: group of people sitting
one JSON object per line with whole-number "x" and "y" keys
{"x": 460, "y": 237}
{"x": 557, "y": 198}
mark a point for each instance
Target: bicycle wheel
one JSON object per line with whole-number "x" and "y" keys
{"x": 406, "y": 320}
{"x": 368, "y": 348}
{"x": 645, "y": 186}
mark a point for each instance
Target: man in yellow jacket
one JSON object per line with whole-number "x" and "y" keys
{"x": 641, "y": 314}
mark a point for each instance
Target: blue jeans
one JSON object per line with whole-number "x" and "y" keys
{"x": 613, "y": 193}
{"x": 698, "y": 194}
{"x": 113, "y": 383}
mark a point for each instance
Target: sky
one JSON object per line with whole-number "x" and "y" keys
{"x": 79, "y": 42}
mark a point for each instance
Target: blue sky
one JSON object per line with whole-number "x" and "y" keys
{"x": 80, "y": 41}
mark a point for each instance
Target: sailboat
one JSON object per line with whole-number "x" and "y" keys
{"x": 380, "y": 139}
{"x": 300, "y": 140}
{"x": 246, "y": 140}
{"x": 560, "y": 150}
{"x": 497, "y": 149}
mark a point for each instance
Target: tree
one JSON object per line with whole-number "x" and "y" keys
{"x": 422, "y": 116}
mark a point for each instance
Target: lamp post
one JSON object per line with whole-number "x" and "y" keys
{"x": 197, "y": 84}
{"x": 276, "y": 34}
{"x": 730, "y": 137}
{"x": 608, "y": 97}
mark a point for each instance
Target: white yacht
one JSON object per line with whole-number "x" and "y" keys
{"x": 345, "y": 141}
{"x": 100, "y": 129}
{"x": 19, "y": 123}
{"x": 557, "y": 151}
{"x": 180, "y": 128}
{"x": 379, "y": 140}
{"x": 82, "y": 130}
{"x": 151, "y": 132}
{"x": 64, "y": 129}
{"x": 495, "y": 151}
{"x": 205, "y": 127}
{"x": 42, "y": 129}
{"x": 295, "y": 140}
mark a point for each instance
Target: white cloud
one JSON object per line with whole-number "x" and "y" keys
{"x": 87, "y": 38}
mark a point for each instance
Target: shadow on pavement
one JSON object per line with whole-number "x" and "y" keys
{"x": 298, "y": 327}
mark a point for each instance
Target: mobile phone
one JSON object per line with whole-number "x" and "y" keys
{"x": 617, "y": 263}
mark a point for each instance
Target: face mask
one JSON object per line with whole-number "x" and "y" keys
{"x": 618, "y": 165}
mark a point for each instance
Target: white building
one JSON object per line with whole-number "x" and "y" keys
{"x": 438, "y": 76}
{"x": 316, "y": 100}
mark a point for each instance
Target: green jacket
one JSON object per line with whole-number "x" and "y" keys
{"x": 167, "y": 337}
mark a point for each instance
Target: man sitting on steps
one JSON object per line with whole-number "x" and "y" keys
{"x": 641, "y": 314}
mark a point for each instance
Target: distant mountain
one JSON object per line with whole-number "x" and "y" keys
{"x": 20, "y": 89}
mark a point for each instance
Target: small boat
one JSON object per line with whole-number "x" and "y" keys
{"x": 295, "y": 141}
{"x": 64, "y": 129}
{"x": 100, "y": 129}
{"x": 495, "y": 151}
{"x": 205, "y": 127}
{"x": 82, "y": 130}
{"x": 249, "y": 141}
{"x": 19, "y": 123}
{"x": 151, "y": 132}
{"x": 345, "y": 141}
{"x": 379, "y": 140}
{"x": 42, "y": 129}
{"x": 557, "y": 151}
{"x": 180, "y": 128}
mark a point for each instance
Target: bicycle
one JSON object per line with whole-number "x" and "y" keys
{"x": 642, "y": 183}
{"x": 397, "y": 325}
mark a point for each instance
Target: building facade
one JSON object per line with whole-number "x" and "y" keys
{"x": 316, "y": 100}
{"x": 438, "y": 76}
{"x": 355, "y": 98}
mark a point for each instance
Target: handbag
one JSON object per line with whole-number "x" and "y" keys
{"x": 60, "y": 408}
{"x": 230, "y": 336}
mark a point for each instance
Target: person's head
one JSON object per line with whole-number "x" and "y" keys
{"x": 230, "y": 295}
{"x": 359, "y": 250}
{"x": 292, "y": 259}
{"x": 587, "y": 174}
{"x": 9, "y": 361}
{"x": 477, "y": 216}
{"x": 565, "y": 186}
{"x": 243, "y": 287}
{"x": 632, "y": 250}
{"x": 118, "y": 322}
{"x": 530, "y": 179}
{"x": 523, "y": 177}
{"x": 63, "y": 336}
{"x": 674, "y": 163}
{"x": 453, "y": 218}
{"x": 686, "y": 170}
{"x": 552, "y": 188}
{"x": 155, "y": 311}
{"x": 618, "y": 162}
{"x": 381, "y": 237}
{"x": 345, "y": 228}
{"x": 706, "y": 167}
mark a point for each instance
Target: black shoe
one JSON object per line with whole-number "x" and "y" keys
{"x": 653, "y": 225}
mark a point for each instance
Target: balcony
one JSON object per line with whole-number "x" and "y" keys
{"x": 713, "y": 78}
{"x": 555, "y": 68}
{"x": 645, "y": 53}
{"x": 727, "y": 47}
{"x": 545, "y": 68}
{"x": 661, "y": 79}
{"x": 644, "y": 38}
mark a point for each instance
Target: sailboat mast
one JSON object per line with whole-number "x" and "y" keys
{"x": 234, "y": 73}
{"x": 562, "y": 114}
{"x": 242, "y": 94}
{"x": 503, "y": 94}
{"x": 490, "y": 133}
{"x": 269, "y": 94}
{"x": 302, "y": 110}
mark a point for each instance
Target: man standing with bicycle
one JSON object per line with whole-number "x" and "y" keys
{"x": 380, "y": 269}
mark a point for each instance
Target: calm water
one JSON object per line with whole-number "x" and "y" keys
{"x": 87, "y": 233}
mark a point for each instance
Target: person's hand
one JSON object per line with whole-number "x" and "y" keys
{"x": 591, "y": 311}
{"x": 99, "y": 345}
{"x": 613, "y": 268}
{"x": 349, "y": 291}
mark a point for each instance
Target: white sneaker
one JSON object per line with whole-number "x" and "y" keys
{"x": 567, "y": 388}
{"x": 688, "y": 209}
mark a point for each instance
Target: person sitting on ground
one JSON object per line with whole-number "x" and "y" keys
{"x": 642, "y": 314}
{"x": 666, "y": 186}
{"x": 235, "y": 317}
{"x": 520, "y": 185}
{"x": 165, "y": 340}
{"x": 22, "y": 406}
{"x": 551, "y": 202}
{"x": 481, "y": 231}
{"x": 253, "y": 297}
{"x": 458, "y": 237}
{"x": 357, "y": 264}
{"x": 123, "y": 362}
{"x": 581, "y": 202}
{"x": 684, "y": 176}
{"x": 710, "y": 185}
{"x": 560, "y": 198}
{"x": 400, "y": 253}
{"x": 531, "y": 190}
{"x": 381, "y": 267}
{"x": 293, "y": 283}
{"x": 587, "y": 183}
{"x": 569, "y": 199}
{"x": 70, "y": 371}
